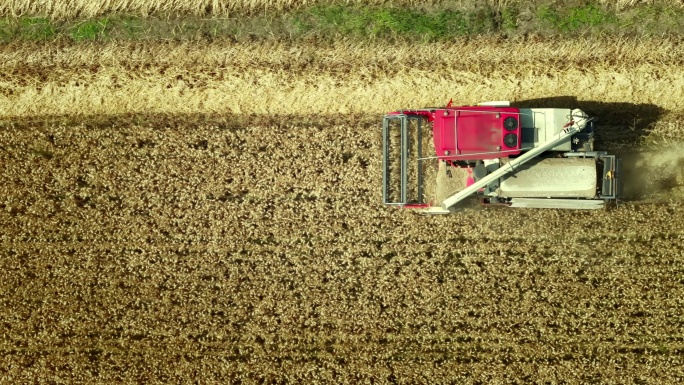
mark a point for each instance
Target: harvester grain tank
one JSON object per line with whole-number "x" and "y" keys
{"x": 514, "y": 157}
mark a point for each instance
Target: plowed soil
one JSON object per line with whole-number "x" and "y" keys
{"x": 254, "y": 247}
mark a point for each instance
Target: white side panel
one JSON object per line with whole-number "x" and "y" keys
{"x": 498, "y": 103}
{"x": 574, "y": 204}
{"x": 552, "y": 178}
{"x": 546, "y": 123}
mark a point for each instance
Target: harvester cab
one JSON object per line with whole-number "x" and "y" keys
{"x": 517, "y": 157}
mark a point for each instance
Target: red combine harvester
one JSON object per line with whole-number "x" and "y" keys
{"x": 517, "y": 157}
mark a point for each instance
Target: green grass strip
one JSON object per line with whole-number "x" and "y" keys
{"x": 330, "y": 22}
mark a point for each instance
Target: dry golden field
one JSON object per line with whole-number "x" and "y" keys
{"x": 173, "y": 212}
{"x": 312, "y": 79}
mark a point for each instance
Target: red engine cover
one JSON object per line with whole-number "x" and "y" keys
{"x": 475, "y": 132}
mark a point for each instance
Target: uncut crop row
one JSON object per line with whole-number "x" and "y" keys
{"x": 345, "y": 78}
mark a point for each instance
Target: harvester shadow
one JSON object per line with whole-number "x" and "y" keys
{"x": 619, "y": 126}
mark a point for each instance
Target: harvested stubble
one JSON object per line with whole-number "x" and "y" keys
{"x": 210, "y": 247}
{"x": 448, "y": 184}
{"x": 220, "y": 246}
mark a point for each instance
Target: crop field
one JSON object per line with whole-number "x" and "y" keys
{"x": 211, "y": 210}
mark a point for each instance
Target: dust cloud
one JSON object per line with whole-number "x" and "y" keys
{"x": 654, "y": 174}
